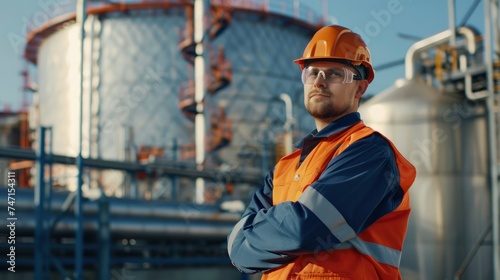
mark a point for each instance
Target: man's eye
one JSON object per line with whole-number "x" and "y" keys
{"x": 334, "y": 73}
{"x": 313, "y": 73}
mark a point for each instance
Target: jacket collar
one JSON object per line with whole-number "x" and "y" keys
{"x": 334, "y": 127}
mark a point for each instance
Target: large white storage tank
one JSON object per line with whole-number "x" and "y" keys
{"x": 134, "y": 71}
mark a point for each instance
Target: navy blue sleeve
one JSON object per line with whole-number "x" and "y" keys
{"x": 263, "y": 197}
{"x": 358, "y": 186}
{"x": 354, "y": 191}
{"x": 245, "y": 256}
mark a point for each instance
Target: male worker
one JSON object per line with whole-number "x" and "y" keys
{"x": 337, "y": 207}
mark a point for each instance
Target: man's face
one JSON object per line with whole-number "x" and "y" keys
{"x": 326, "y": 98}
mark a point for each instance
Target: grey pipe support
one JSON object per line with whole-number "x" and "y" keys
{"x": 468, "y": 82}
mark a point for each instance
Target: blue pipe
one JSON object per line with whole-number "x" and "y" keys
{"x": 39, "y": 199}
{"x": 79, "y": 222}
{"x": 104, "y": 239}
{"x": 81, "y": 16}
{"x": 48, "y": 207}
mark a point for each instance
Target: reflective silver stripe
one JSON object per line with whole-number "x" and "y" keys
{"x": 380, "y": 253}
{"x": 236, "y": 230}
{"x": 327, "y": 213}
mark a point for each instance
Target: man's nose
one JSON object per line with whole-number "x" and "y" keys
{"x": 320, "y": 79}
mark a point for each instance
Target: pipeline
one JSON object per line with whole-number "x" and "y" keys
{"x": 129, "y": 218}
{"x": 122, "y": 227}
{"x": 431, "y": 42}
{"x": 129, "y": 207}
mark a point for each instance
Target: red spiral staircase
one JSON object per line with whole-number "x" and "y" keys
{"x": 219, "y": 76}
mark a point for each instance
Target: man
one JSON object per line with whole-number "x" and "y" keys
{"x": 337, "y": 207}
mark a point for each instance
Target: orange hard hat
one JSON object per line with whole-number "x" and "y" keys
{"x": 336, "y": 42}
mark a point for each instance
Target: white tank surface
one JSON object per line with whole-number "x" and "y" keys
{"x": 444, "y": 136}
{"x": 134, "y": 70}
{"x": 139, "y": 68}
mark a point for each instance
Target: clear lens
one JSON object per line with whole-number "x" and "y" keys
{"x": 330, "y": 75}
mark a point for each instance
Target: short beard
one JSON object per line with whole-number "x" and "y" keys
{"x": 325, "y": 110}
{"x": 322, "y": 111}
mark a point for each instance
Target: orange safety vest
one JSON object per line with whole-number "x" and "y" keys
{"x": 390, "y": 230}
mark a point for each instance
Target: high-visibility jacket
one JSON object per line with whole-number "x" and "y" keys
{"x": 334, "y": 214}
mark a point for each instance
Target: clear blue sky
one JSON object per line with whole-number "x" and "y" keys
{"x": 379, "y": 22}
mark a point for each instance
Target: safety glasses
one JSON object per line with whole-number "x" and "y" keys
{"x": 335, "y": 75}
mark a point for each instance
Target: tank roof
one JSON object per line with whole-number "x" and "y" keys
{"x": 285, "y": 10}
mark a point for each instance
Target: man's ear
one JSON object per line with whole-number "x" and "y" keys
{"x": 361, "y": 89}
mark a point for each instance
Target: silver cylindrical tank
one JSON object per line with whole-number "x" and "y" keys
{"x": 444, "y": 136}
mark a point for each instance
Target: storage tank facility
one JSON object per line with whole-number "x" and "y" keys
{"x": 154, "y": 121}
{"x": 152, "y": 185}
{"x": 139, "y": 81}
